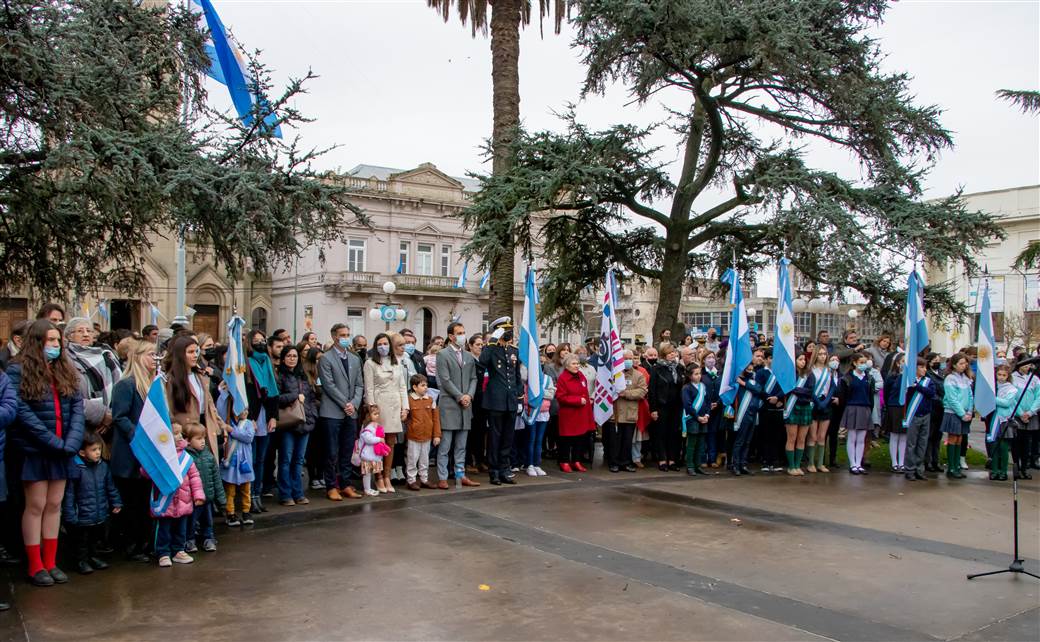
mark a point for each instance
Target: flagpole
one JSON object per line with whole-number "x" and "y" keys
{"x": 181, "y": 255}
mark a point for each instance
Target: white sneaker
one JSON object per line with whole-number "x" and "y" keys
{"x": 164, "y": 562}
{"x": 316, "y": 485}
{"x": 964, "y": 464}
{"x": 515, "y": 469}
{"x": 541, "y": 473}
{"x": 532, "y": 472}
{"x": 371, "y": 492}
{"x": 183, "y": 558}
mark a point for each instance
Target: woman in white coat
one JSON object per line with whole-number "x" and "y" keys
{"x": 385, "y": 386}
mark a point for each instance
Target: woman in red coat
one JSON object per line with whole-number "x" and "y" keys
{"x": 572, "y": 394}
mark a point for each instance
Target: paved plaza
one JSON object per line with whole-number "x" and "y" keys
{"x": 645, "y": 556}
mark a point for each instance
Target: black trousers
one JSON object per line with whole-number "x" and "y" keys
{"x": 571, "y": 449}
{"x": 134, "y": 521}
{"x": 476, "y": 440}
{"x": 931, "y": 453}
{"x": 501, "y": 426}
{"x": 84, "y": 539}
{"x": 837, "y": 410}
{"x": 774, "y": 437}
{"x": 666, "y": 435}
{"x": 1021, "y": 448}
{"x": 617, "y": 444}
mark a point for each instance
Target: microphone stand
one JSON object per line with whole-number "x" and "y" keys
{"x": 1017, "y": 565}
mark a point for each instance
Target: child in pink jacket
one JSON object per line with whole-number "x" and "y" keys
{"x": 172, "y": 524}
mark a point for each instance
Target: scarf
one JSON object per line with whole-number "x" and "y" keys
{"x": 263, "y": 372}
{"x": 12, "y": 348}
{"x": 100, "y": 369}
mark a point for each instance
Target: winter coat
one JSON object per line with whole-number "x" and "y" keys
{"x": 371, "y": 434}
{"x": 90, "y": 494}
{"x": 386, "y": 387}
{"x": 626, "y": 406}
{"x": 184, "y": 498}
{"x": 35, "y": 430}
{"x": 237, "y": 465}
{"x": 127, "y": 405}
{"x": 576, "y": 419}
{"x": 206, "y": 410}
{"x": 290, "y": 388}
{"x": 424, "y": 422}
{"x": 206, "y": 464}
{"x": 8, "y": 413}
{"x": 665, "y": 391}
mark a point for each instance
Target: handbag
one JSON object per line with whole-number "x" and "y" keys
{"x": 291, "y": 416}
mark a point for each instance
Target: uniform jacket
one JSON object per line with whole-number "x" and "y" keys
{"x": 340, "y": 386}
{"x": 504, "y": 388}
{"x": 454, "y": 382}
{"x": 90, "y": 494}
{"x": 576, "y": 418}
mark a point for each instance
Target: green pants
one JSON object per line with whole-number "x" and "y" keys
{"x": 999, "y": 461}
{"x": 694, "y": 450}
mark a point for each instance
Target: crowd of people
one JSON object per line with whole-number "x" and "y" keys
{"x": 332, "y": 413}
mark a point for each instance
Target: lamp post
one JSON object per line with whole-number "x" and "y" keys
{"x": 389, "y": 310}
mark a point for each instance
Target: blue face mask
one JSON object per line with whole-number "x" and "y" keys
{"x": 863, "y": 367}
{"x": 409, "y": 348}
{"x": 344, "y": 343}
{"x": 52, "y": 353}
{"x": 628, "y": 364}
{"x": 383, "y": 349}
{"x": 833, "y": 365}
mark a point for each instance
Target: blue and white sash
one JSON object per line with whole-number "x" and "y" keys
{"x": 745, "y": 401}
{"x": 995, "y": 423}
{"x": 698, "y": 402}
{"x": 823, "y": 384}
{"x": 159, "y": 503}
{"x": 791, "y": 399}
{"x": 915, "y": 401}
{"x": 770, "y": 382}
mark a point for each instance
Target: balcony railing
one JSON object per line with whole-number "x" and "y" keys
{"x": 424, "y": 282}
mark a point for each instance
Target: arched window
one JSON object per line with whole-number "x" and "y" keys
{"x": 258, "y": 319}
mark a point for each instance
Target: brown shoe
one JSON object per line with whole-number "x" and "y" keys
{"x": 334, "y": 495}
{"x": 351, "y": 493}
{"x": 473, "y": 470}
{"x": 466, "y": 481}
{"x": 302, "y": 501}
{"x": 426, "y": 484}
{"x": 443, "y": 485}
{"x": 413, "y": 485}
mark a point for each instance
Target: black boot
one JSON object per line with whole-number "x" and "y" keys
{"x": 84, "y": 567}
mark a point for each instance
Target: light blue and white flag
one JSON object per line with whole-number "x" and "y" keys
{"x": 228, "y": 66}
{"x": 986, "y": 378}
{"x": 235, "y": 367}
{"x": 915, "y": 336}
{"x": 103, "y": 310}
{"x": 783, "y": 347}
{"x": 738, "y": 352}
{"x": 610, "y": 371}
{"x": 154, "y": 313}
{"x": 484, "y": 279}
{"x": 461, "y": 283}
{"x": 529, "y": 355}
{"x": 153, "y": 443}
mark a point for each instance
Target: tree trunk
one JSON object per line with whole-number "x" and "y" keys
{"x": 505, "y": 80}
{"x": 673, "y": 276}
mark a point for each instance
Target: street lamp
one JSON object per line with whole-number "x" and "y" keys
{"x": 389, "y": 310}
{"x": 751, "y": 315}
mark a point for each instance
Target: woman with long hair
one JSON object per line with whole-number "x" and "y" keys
{"x": 824, "y": 370}
{"x": 798, "y": 414}
{"x": 48, "y": 432}
{"x": 294, "y": 387}
{"x": 127, "y": 403}
{"x": 188, "y": 391}
{"x": 892, "y": 420}
{"x": 958, "y": 402}
{"x": 262, "y": 397}
{"x": 385, "y": 387}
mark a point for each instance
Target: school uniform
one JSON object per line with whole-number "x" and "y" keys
{"x": 771, "y": 420}
{"x": 696, "y": 401}
{"x": 958, "y": 401}
{"x": 745, "y": 411}
{"x": 857, "y": 391}
{"x": 713, "y": 380}
{"x": 916, "y": 421}
{"x": 1000, "y": 430}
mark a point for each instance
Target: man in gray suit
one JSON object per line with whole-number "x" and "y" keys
{"x": 457, "y": 378}
{"x": 343, "y": 388}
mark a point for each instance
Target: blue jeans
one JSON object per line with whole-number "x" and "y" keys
{"x": 534, "y": 443}
{"x": 340, "y": 435}
{"x": 260, "y": 445}
{"x": 200, "y": 523}
{"x": 290, "y": 462}
{"x": 170, "y": 533}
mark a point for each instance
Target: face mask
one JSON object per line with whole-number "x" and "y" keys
{"x": 51, "y": 352}
{"x": 550, "y": 355}
{"x": 383, "y": 350}
{"x": 460, "y": 340}
{"x": 628, "y": 364}
{"x": 344, "y": 343}
{"x": 210, "y": 354}
{"x": 652, "y": 362}
{"x": 863, "y": 367}
{"x": 409, "y": 348}
{"x": 1000, "y": 361}
{"x": 362, "y": 351}
{"x": 709, "y": 364}
{"x": 833, "y": 365}
{"x": 582, "y": 359}
{"x": 260, "y": 346}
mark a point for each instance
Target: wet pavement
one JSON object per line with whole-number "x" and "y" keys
{"x": 646, "y": 556}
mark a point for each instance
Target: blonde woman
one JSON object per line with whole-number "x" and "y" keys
{"x": 385, "y": 387}
{"x": 825, "y": 391}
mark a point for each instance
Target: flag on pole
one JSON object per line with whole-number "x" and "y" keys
{"x": 400, "y": 265}
{"x": 986, "y": 379}
{"x": 529, "y": 355}
{"x": 783, "y": 348}
{"x": 235, "y": 367}
{"x": 461, "y": 283}
{"x": 153, "y": 445}
{"x": 610, "y": 373}
{"x": 738, "y": 353}
{"x": 154, "y": 313}
{"x": 915, "y": 336}
{"x": 228, "y": 66}
{"x": 484, "y": 279}
{"x": 103, "y": 310}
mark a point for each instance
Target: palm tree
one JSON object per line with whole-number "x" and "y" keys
{"x": 506, "y": 18}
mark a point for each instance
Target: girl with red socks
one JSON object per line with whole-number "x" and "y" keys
{"x": 48, "y": 431}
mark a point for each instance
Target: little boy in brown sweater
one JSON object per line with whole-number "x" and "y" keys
{"x": 424, "y": 425}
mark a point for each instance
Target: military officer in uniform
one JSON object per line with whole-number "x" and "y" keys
{"x": 502, "y": 395}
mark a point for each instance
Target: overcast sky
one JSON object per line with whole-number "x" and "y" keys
{"x": 399, "y": 87}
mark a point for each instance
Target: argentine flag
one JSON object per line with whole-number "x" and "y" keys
{"x": 461, "y": 283}
{"x": 529, "y": 347}
{"x": 985, "y": 381}
{"x": 228, "y": 66}
{"x": 783, "y": 348}
{"x": 153, "y": 443}
{"x": 915, "y": 334}
{"x": 235, "y": 367}
{"x": 738, "y": 354}
{"x": 484, "y": 279}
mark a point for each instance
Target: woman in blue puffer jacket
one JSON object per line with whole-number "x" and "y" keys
{"x": 48, "y": 431}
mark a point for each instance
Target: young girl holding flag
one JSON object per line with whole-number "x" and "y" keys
{"x": 1001, "y": 432}
{"x": 798, "y": 412}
